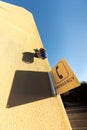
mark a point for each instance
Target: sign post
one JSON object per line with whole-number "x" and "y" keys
{"x": 63, "y": 77}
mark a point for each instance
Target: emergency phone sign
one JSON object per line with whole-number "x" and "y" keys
{"x": 63, "y": 77}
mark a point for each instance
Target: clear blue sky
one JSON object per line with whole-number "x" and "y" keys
{"x": 62, "y": 25}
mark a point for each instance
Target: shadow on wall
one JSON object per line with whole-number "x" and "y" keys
{"x": 29, "y": 86}
{"x": 28, "y": 57}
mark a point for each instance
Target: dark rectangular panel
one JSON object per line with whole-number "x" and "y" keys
{"x": 29, "y": 86}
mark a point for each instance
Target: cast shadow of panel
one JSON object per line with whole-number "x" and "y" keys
{"x": 29, "y": 86}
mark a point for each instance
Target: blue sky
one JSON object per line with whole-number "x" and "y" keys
{"x": 62, "y": 25}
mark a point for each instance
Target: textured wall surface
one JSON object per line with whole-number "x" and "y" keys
{"x": 26, "y": 102}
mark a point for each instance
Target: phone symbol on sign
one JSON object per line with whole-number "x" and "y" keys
{"x": 59, "y": 75}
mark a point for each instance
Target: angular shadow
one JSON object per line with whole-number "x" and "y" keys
{"x": 29, "y": 86}
{"x": 28, "y": 57}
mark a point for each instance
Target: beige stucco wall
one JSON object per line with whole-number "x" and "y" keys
{"x": 18, "y": 34}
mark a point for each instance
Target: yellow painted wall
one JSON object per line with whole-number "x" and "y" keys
{"x": 18, "y": 110}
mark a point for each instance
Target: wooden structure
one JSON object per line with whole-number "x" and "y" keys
{"x": 78, "y": 117}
